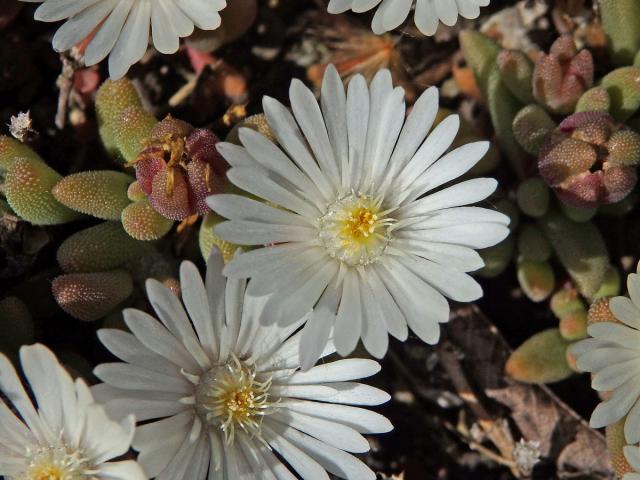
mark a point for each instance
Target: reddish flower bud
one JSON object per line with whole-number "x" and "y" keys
{"x": 180, "y": 168}
{"x": 590, "y": 160}
{"x": 561, "y": 77}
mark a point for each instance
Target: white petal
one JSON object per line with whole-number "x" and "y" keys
{"x": 317, "y": 329}
{"x": 56, "y": 10}
{"x": 80, "y": 26}
{"x": 625, "y": 310}
{"x": 338, "y": 371}
{"x": 108, "y": 33}
{"x": 125, "y": 470}
{"x": 340, "y": 392}
{"x": 617, "y": 406}
{"x": 361, "y": 419}
{"x": 196, "y": 300}
{"x": 332, "y": 433}
{"x": 349, "y": 319}
{"x": 158, "y": 339}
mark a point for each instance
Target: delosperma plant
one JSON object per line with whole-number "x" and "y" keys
{"x": 571, "y": 139}
{"x": 239, "y": 258}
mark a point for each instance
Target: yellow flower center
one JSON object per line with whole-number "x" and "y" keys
{"x": 232, "y": 396}
{"x": 57, "y": 462}
{"x": 355, "y": 230}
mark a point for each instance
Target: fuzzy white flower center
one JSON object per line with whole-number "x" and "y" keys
{"x": 57, "y": 462}
{"x": 355, "y": 230}
{"x": 231, "y": 396}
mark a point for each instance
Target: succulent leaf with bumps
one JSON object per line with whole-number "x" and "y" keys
{"x": 27, "y": 185}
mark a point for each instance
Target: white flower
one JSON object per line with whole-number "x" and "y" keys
{"x": 66, "y": 436}
{"x": 613, "y": 356}
{"x": 391, "y": 13}
{"x": 365, "y": 233}
{"x": 122, "y": 26}
{"x": 632, "y": 454}
{"x": 229, "y": 394}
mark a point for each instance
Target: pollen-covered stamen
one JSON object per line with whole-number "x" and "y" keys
{"x": 57, "y": 462}
{"x": 355, "y": 230}
{"x": 232, "y": 396}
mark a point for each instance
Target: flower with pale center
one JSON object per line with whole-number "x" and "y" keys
{"x": 361, "y": 220}
{"x": 391, "y": 14}
{"x": 221, "y": 395}
{"x": 612, "y": 355}
{"x": 68, "y": 436}
{"x": 120, "y": 28}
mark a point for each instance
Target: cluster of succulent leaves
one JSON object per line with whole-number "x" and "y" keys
{"x": 573, "y": 142}
{"x": 101, "y": 264}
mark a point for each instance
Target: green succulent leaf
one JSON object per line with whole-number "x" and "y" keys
{"x": 99, "y": 193}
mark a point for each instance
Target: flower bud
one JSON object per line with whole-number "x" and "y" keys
{"x": 541, "y": 359}
{"x": 179, "y": 169}
{"x": 589, "y": 160}
{"x": 561, "y": 77}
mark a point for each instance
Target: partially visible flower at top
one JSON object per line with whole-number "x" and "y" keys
{"x": 221, "y": 395}
{"x": 526, "y": 454}
{"x": 121, "y": 27}
{"x": 373, "y": 228}
{"x": 428, "y": 13}
{"x": 67, "y": 436}
{"x": 179, "y": 168}
{"x": 632, "y": 454}
{"x": 613, "y": 357}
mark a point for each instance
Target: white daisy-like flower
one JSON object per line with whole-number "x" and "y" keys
{"x": 222, "y": 396}
{"x": 613, "y": 356}
{"x": 632, "y": 454}
{"x": 391, "y": 14}
{"x": 121, "y": 27}
{"x": 66, "y": 435}
{"x": 369, "y": 233}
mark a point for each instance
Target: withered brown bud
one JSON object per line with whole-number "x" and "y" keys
{"x": 180, "y": 168}
{"x": 590, "y": 160}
